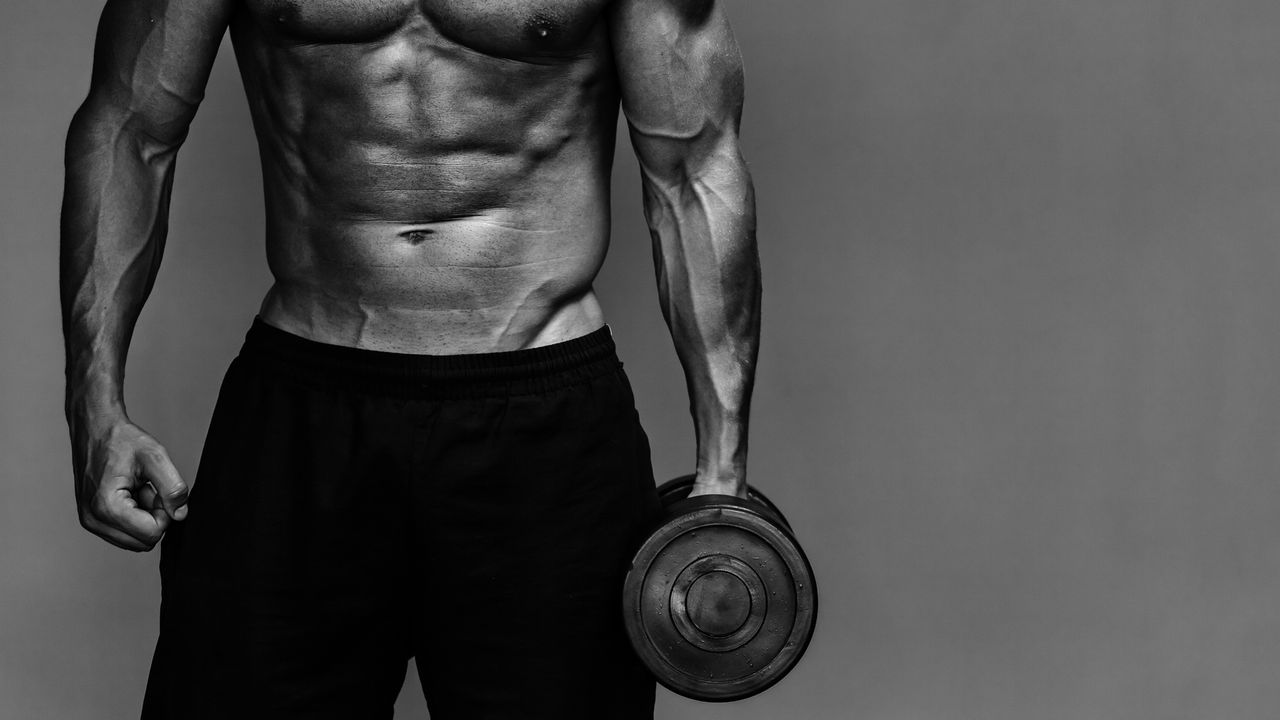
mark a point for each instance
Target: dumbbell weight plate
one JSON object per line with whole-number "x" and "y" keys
{"x": 720, "y": 601}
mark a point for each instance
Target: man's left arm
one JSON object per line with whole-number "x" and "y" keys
{"x": 681, "y": 81}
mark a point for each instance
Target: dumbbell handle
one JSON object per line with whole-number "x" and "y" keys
{"x": 677, "y": 490}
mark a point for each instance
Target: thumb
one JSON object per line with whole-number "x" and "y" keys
{"x": 159, "y": 470}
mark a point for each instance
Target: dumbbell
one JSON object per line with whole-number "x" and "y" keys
{"x": 720, "y": 601}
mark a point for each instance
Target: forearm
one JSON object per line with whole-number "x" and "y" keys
{"x": 114, "y": 221}
{"x": 703, "y": 226}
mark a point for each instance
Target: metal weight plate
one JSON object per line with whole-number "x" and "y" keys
{"x": 679, "y": 489}
{"x": 720, "y": 601}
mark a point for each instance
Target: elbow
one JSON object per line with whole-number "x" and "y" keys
{"x": 155, "y": 139}
{"x": 716, "y": 186}
{"x": 713, "y": 154}
{"x": 101, "y": 123}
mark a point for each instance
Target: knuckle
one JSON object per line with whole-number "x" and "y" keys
{"x": 153, "y": 535}
{"x": 99, "y": 509}
{"x": 99, "y": 530}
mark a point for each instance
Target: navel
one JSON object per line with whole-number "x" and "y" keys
{"x": 416, "y": 237}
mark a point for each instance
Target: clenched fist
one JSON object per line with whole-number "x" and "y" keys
{"x": 127, "y": 489}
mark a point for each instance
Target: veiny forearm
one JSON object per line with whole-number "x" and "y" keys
{"x": 114, "y": 222}
{"x": 703, "y": 223}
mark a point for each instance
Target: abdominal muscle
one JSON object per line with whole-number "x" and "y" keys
{"x": 461, "y": 286}
{"x": 422, "y": 198}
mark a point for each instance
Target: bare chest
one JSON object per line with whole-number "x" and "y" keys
{"x": 499, "y": 27}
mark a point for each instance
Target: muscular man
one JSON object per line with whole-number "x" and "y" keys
{"x": 426, "y": 447}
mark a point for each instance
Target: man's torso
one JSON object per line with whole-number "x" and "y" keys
{"x": 436, "y": 173}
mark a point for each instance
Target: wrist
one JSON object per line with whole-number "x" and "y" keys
{"x": 94, "y": 412}
{"x": 722, "y": 458}
{"x": 721, "y": 479}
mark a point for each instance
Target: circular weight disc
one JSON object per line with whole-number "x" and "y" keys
{"x": 720, "y": 602}
{"x": 678, "y": 489}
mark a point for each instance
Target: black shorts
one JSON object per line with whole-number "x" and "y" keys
{"x": 355, "y": 508}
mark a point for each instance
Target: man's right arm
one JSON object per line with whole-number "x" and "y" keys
{"x": 151, "y": 61}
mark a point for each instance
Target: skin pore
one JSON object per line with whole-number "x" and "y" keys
{"x": 436, "y": 180}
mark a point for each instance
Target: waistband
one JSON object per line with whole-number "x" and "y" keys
{"x": 513, "y": 372}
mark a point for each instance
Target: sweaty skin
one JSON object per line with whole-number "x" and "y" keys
{"x": 436, "y": 179}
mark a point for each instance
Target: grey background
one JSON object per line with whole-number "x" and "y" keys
{"x": 1018, "y": 391}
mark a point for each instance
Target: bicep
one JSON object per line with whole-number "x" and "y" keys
{"x": 681, "y": 81}
{"x": 152, "y": 59}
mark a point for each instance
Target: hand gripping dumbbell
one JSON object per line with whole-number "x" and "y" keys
{"x": 720, "y": 601}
